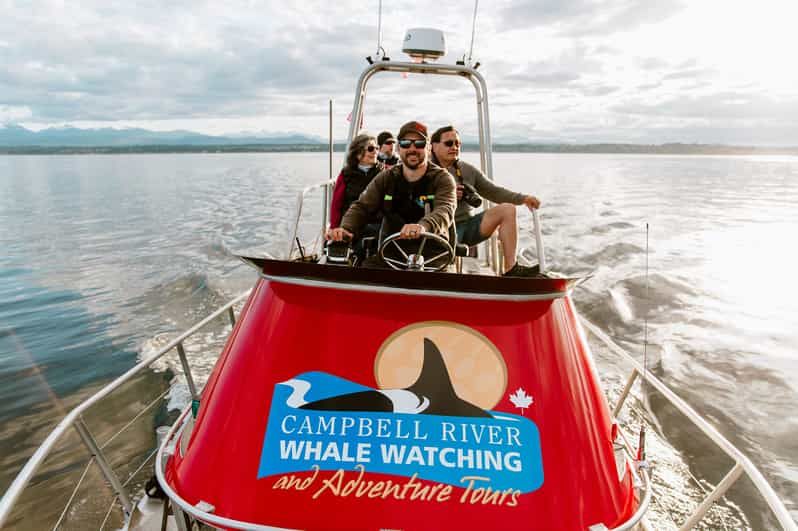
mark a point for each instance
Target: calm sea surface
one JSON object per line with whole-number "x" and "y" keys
{"x": 102, "y": 257}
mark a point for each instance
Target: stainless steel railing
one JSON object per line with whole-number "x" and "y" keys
{"x": 74, "y": 419}
{"x": 741, "y": 463}
{"x": 326, "y": 187}
{"x": 491, "y": 245}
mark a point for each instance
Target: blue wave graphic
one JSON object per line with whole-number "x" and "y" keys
{"x": 504, "y": 448}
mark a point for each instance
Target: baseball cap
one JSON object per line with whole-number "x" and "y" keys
{"x": 384, "y": 137}
{"x": 414, "y": 127}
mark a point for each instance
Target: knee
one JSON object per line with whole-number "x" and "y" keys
{"x": 506, "y": 212}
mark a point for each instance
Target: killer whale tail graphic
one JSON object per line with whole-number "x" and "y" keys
{"x": 434, "y": 383}
{"x": 431, "y": 394}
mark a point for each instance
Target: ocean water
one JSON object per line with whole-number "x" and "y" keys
{"x": 104, "y": 257}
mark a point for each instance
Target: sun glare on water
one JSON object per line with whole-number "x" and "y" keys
{"x": 751, "y": 267}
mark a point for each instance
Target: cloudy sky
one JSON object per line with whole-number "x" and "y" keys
{"x": 641, "y": 71}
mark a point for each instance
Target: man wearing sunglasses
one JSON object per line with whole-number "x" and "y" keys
{"x": 387, "y": 143}
{"x": 473, "y": 228}
{"x": 419, "y": 194}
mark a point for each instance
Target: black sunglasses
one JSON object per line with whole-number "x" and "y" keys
{"x": 404, "y": 143}
{"x": 371, "y": 148}
{"x": 450, "y": 143}
{"x": 389, "y": 142}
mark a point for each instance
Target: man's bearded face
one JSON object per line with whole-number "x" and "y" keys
{"x": 413, "y": 157}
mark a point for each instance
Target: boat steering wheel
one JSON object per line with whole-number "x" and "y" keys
{"x": 428, "y": 252}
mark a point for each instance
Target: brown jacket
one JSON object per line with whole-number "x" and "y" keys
{"x": 371, "y": 201}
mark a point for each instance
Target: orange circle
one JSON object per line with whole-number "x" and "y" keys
{"x": 476, "y": 367}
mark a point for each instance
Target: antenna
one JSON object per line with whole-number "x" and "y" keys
{"x": 379, "y": 31}
{"x": 641, "y": 443}
{"x": 327, "y": 189}
{"x": 473, "y": 30}
{"x": 645, "y": 319}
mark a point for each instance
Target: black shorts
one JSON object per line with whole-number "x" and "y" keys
{"x": 468, "y": 230}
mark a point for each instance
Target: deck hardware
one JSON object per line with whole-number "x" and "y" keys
{"x": 204, "y": 506}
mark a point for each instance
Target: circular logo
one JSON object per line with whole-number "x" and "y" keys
{"x": 476, "y": 367}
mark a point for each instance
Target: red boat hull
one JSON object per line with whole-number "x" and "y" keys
{"x": 524, "y": 364}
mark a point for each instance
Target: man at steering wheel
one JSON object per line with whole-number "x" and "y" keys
{"x": 415, "y": 197}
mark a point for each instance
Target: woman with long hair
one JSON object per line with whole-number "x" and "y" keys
{"x": 361, "y": 167}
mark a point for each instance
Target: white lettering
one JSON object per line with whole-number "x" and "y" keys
{"x": 291, "y": 449}
{"x": 282, "y": 424}
{"x": 382, "y": 428}
{"x": 305, "y": 427}
{"x": 447, "y": 431}
{"x": 346, "y": 423}
{"x": 363, "y": 453}
{"x": 364, "y": 429}
{"x": 494, "y": 434}
{"x": 392, "y": 453}
{"x": 326, "y": 426}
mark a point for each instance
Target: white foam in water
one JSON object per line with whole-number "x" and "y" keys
{"x": 179, "y": 396}
{"x": 621, "y": 304}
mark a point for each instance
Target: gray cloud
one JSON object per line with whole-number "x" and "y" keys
{"x": 555, "y": 78}
{"x": 558, "y": 72}
{"x": 107, "y": 64}
{"x": 599, "y": 90}
{"x": 199, "y": 60}
{"x": 653, "y": 63}
{"x": 690, "y": 73}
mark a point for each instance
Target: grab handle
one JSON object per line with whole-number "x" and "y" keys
{"x": 539, "y": 241}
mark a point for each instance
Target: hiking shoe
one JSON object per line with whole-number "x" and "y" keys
{"x": 519, "y": 270}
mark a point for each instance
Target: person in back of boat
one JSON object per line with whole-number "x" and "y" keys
{"x": 473, "y": 227}
{"x": 415, "y": 197}
{"x": 387, "y": 143}
{"x": 361, "y": 167}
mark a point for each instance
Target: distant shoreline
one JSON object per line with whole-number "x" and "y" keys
{"x": 643, "y": 149}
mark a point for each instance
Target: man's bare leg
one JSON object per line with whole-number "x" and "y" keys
{"x": 503, "y": 217}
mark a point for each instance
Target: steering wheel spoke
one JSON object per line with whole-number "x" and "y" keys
{"x": 401, "y": 250}
{"x": 438, "y": 256}
{"x": 421, "y": 247}
{"x": 395, "y": 263}
{"x": 402, "y": 254}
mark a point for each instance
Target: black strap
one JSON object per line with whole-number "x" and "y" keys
{"x": 394, "y": 186}
{"x": 154, "y": 490}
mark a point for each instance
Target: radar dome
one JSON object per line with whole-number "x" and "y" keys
{"x": 425, "y": 44}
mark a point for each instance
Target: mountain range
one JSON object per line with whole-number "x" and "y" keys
{"x": 16, "y": 139}
{"x": 18, "y": 136}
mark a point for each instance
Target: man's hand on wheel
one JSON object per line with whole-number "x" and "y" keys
{"x": 339, "y": 235}
{"x": 411, "y": 231}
